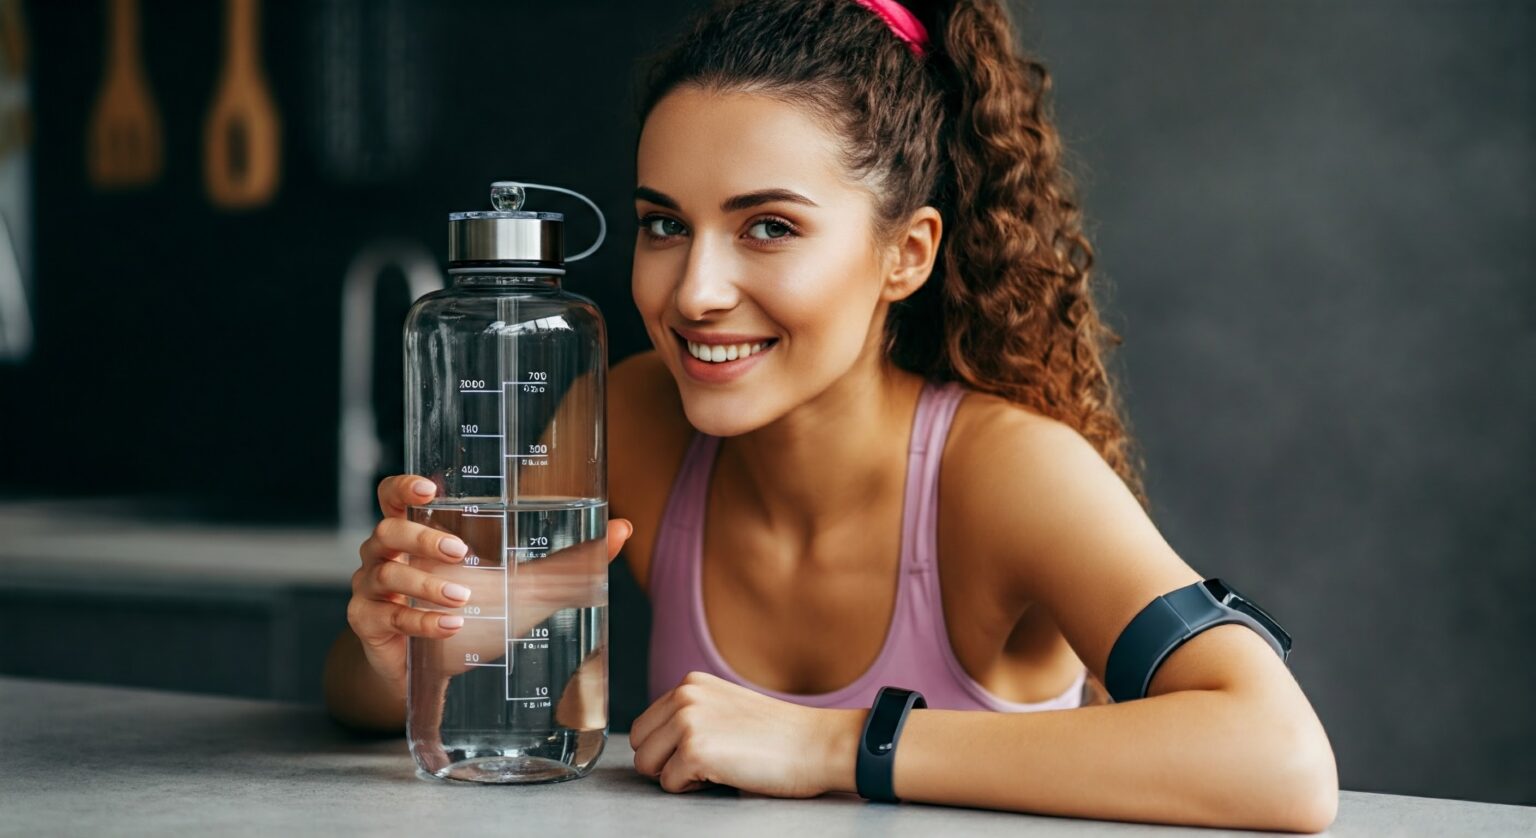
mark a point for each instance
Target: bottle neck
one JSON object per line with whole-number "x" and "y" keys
{"x": 468, "y": 277}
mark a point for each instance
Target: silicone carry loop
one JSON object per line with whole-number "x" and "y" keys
{"x": 875, "y": 767}
{"x": 602, "y": 223}
{"x": 1165, "y": 624}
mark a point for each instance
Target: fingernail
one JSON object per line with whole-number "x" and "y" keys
{"x": 450, "y": 622}
{"x": 453, "y": 591}
{"x": 424, "y": 487}
{"x": 453, "y": 547}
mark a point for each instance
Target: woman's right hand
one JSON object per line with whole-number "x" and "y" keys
{"x": 378, "y": 612}
{"x": 404, "y": 559}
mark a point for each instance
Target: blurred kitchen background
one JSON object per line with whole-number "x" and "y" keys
{"x": 1313, "y": 224}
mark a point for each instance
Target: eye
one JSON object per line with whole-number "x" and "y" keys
{"x": 769, "y": 224}
{"x": 655, "y": 226}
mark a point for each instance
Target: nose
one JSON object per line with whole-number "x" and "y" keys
{"x": 707, "y": 285}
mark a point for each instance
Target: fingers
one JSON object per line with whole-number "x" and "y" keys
{"x": 375, "y": 621}
{"x": 398, "y": 493}
{"x": 393, "y": 537}
{"x": 382, "y": 580}
{"x": 654, "y": 749}
{"x": 670, "y": 752}
{"x": 617, "y": 535}
{"x": 377, "y": 611}
{"x": 678, "y": 774}
{"x": 648, "y": 722}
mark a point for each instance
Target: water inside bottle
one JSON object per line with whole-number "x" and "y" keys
{"x": 519, "y": 694}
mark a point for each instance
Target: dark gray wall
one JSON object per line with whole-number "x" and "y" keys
{"x": 1317, "y": 222}
{"x": 1312, "y": 223}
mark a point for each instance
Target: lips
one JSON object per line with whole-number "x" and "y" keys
{"x": 722, "y": 338}
{"x": 737, "y": 353}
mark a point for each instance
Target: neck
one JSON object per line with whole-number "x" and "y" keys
{"x": 842, "y": 450}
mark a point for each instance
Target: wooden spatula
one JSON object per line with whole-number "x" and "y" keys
{"x": 15, "y": 111}
{"x": 123, "y": 143}
{"x": 241, "y": 137}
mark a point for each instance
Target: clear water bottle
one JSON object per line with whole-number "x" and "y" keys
{"x": 505, "y": 405}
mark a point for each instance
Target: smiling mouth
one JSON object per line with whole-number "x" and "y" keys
{"x": 717, "y": 353}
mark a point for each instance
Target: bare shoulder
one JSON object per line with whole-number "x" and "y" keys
{"x": 1054, "y": 524}
{"x": 1042, "y": 510}
{"x": 648, "y": 434}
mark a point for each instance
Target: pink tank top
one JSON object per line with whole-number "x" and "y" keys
{"x": 916, "y": 653}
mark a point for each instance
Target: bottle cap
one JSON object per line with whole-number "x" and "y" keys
{"x": 508, "y": 233}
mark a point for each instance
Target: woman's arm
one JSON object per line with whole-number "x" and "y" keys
{"x": 1224, "y": 738}
{"x": 1227, "y": 756}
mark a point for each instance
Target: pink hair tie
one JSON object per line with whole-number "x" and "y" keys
{"x": 901, "y": 21}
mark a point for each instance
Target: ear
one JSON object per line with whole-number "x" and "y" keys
{"x": 913, "y": 254}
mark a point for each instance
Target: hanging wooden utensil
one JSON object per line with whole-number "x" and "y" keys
{"x": 242, "y": 145}
{"x": 15, "y": 93}
{"x": 123, "y": 143}
{"x": 15, "y": 187}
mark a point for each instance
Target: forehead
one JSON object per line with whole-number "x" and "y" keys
{"x": 698, "y": 143}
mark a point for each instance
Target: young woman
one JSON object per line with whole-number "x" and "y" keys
{"x": 876, "y": 444}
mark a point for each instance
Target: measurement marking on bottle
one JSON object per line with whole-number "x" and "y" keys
{"x": 531, "y": 381}
{"x": 502, "y": 665}
{"x": 488, "y": 436}
{"x": 483, "y": 515}
{"x": 479, "y": 391}
{"x": 543, "y": 698}
{"x": 527, "y": 456}
{"x": 528, "y": 640}
{"x": 485, "y": 618}
{"x": 495, "y": 567}
{"x": 481, "y": 476}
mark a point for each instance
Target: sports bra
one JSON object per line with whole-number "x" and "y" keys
{"x": 916, "y": 653}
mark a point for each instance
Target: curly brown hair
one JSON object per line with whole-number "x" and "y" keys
{"x": 966, "y": 129}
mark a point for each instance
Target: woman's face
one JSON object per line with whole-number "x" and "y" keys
{"x": 751, "y": 246}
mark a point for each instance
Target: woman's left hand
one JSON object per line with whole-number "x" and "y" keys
{"x": 709, "y": 730}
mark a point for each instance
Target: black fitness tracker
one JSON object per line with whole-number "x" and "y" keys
{"x": 877, "y": 747}
{"x": 1173, "y": 618}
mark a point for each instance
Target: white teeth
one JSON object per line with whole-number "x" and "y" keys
{"x": 720, "y": 353}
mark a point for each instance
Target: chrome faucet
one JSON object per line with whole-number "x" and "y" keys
{"x": 359, "y": 451}
{"x": 15, "y": 319}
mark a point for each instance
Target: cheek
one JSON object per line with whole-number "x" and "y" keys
{"x": 651, "y": 290}
{"x": 827, "y": 312}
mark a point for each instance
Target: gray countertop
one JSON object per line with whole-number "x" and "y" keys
{"x": 84, "y": 759}
{"x": 111, "y": 538}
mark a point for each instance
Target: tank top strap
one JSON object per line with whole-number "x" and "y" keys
{"x": 935, "y": 412}
{"x": 682, "y": 519}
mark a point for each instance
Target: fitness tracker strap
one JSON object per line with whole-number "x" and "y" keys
{"x": 874, "y": 768}
{"x": 1173, "y": 618}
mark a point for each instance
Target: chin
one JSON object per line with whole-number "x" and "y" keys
{"x": 720, "y": 414}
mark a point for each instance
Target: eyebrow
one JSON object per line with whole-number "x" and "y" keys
{"x": 732, "y": 204}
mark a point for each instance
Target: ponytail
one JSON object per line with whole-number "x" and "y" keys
{"x": 1018, "y": 316}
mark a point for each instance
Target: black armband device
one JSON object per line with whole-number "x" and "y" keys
{"x": 1172, "y": 619}
{"x": 873, "y": 770}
